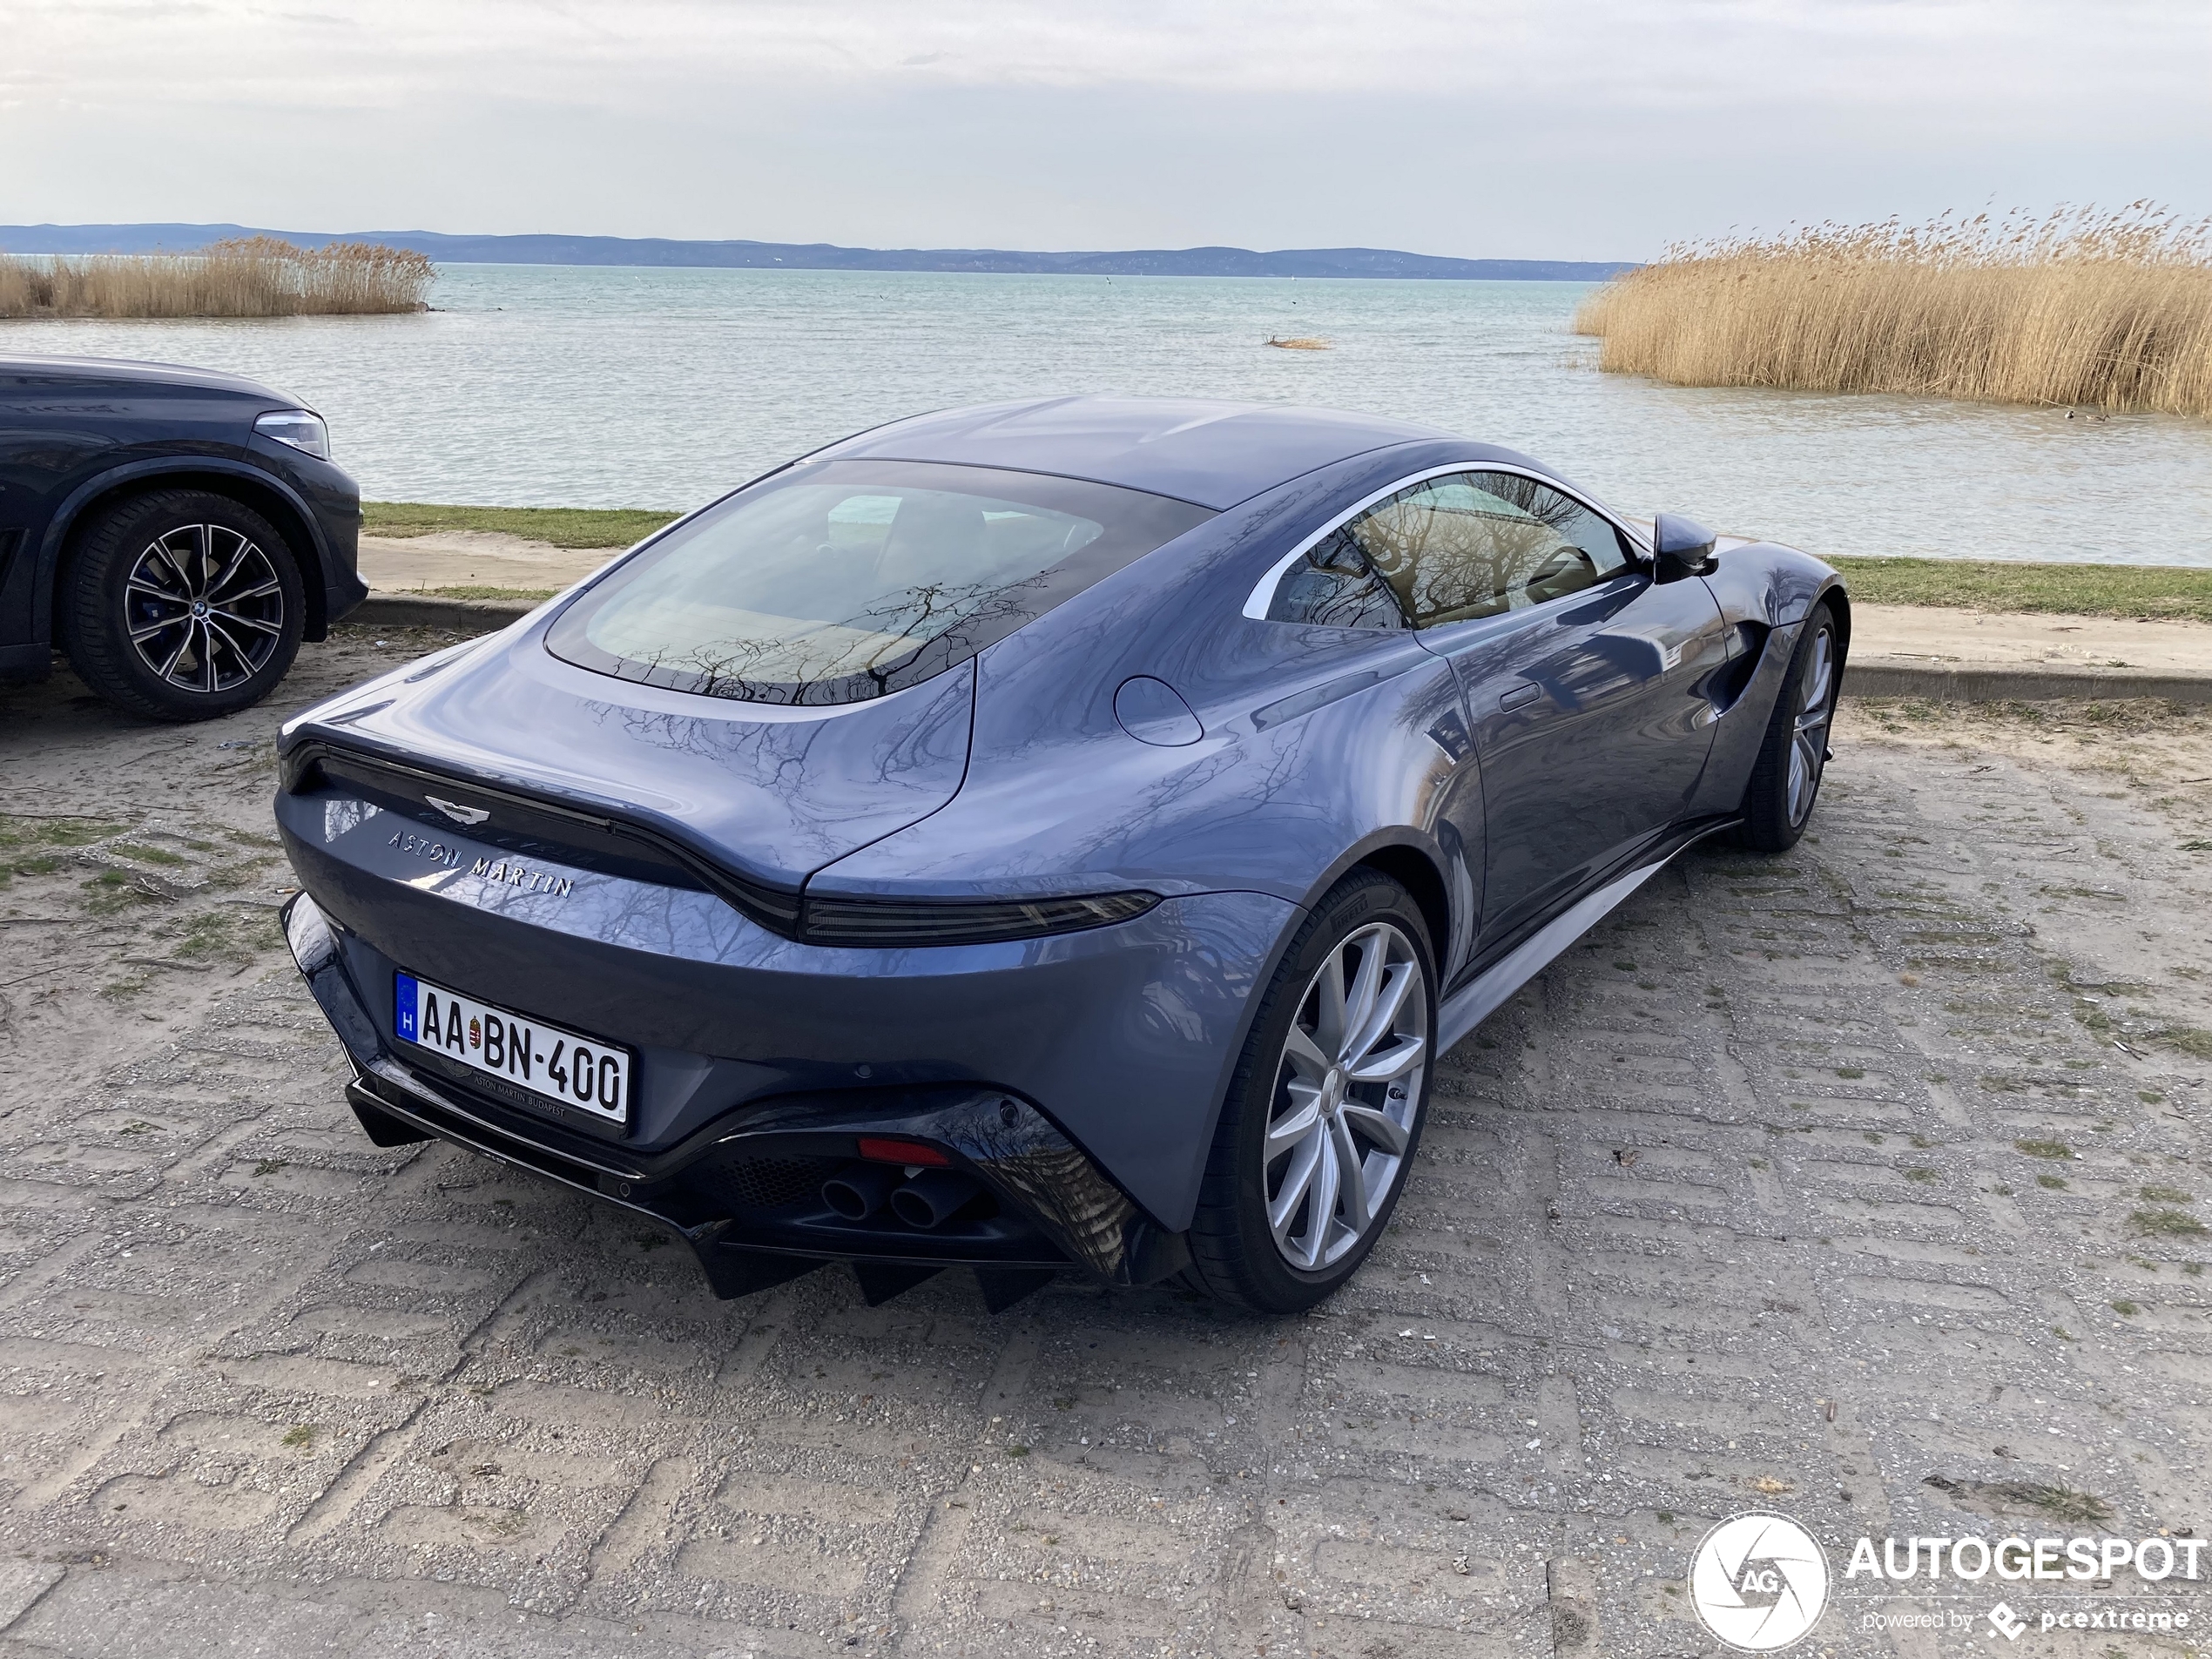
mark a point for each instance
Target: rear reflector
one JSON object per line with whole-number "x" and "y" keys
{"x": 878, "y": 1150}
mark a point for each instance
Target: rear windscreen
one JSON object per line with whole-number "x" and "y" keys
{"x": 833, "y": 582}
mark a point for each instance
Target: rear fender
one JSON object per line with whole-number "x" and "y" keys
{"x": 1419, "y": 863}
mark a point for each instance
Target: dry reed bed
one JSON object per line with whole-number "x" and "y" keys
{"x": 2110, "y": 310}
{"x": 258, "y": 276}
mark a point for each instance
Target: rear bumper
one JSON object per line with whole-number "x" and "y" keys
{"x": 744, "y": 1188}
{"x": 1124, "y": 1036}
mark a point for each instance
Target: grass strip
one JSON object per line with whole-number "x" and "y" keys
{"x": 2134, "y": 592}
{"x": 582, "y": 527}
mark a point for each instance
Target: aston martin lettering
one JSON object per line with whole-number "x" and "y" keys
{"x": 517, "y": 875}
{"x": 422, "y": 848}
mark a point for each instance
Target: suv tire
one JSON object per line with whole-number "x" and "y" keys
{"x": 181, "y": 605}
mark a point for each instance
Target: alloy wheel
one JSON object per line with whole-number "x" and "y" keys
{"x": 1346, "y": 1088}
{"x": 203, "y": 607}
{"x": 1815, "y": 708}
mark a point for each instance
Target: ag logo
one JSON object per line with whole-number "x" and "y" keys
{"x": 1758, "y": 1582}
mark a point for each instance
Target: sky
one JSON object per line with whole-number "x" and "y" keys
{"x": 1535, "y": 129}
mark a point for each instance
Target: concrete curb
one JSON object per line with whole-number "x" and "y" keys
{"x": 1875, "y": 677}
{"x": 2040, "y": 683}
{"x": 428, "y": 610}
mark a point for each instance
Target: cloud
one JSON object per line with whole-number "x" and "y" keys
{"x": 1594, "y": 126}
{"x": 615, "y": 53}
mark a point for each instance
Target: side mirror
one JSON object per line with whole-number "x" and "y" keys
{"x": 1683, "y": 547}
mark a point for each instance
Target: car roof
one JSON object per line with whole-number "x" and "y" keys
{"x": 1211, "y": 454}
{"x": 109, "y": 371}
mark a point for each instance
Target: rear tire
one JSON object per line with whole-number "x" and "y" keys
{"x": 1793, "y": 756}
{"x": 1323, "y": 1115}
{"x": 182, "y": 606}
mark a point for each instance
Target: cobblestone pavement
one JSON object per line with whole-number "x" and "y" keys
{"x": 1806, "y": 1183}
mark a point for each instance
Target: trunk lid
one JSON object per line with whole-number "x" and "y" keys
{"x": 515, "y": 747}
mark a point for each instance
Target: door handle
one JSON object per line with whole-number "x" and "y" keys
{"x": 1519, "y": 695}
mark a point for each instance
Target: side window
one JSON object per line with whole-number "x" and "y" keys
{"x": 1479, "y": 543}
{"x": 1333, "y": 586}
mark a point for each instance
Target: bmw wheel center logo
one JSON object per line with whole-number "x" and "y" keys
{"x": 1758, "y": 1582}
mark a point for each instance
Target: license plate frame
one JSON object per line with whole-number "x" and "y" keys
{"x": 544, "y": 1061}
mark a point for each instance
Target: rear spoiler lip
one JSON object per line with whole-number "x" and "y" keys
{"x": 786, "y": 911}
{"x": 774, "y": 908}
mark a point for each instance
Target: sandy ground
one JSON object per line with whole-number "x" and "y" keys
{"x": 141, "y": 874}
{"x": 1889, "y": 633}
{"x": 1860, "y": 1183}
{"x": 1937, "y": 634}
{"x": 474, "y": 559}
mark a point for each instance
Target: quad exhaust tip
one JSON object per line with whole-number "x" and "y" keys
{"x": 860, "y": 1190}
{"x": 932, "y": 1198}
{"x": 913, "y": 1178}
{"x": 927, "y": 1201}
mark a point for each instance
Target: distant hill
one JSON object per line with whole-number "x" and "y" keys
{"x": 823, "y": 256}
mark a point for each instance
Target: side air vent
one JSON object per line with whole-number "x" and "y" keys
{"x": 1735, "y": 677}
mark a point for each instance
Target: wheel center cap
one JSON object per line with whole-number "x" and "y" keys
{"x": 199, "y": 607}
{"x": 1333, "y": 1089}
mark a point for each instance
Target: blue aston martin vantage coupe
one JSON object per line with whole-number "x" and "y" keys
{"x": 1062, "y": 835}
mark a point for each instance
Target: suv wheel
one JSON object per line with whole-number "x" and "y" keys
{"x": 182, "y": 606}
{"x": 1325, "y": 1110}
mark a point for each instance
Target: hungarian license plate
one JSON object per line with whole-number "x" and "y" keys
{"x": 580, "y": 1072}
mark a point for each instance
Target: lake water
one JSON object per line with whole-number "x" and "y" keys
{"x": 597, "y": 386}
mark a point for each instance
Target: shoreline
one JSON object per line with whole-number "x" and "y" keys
{"x": 1907, "y": 642}
{"x": 488, "y": 552}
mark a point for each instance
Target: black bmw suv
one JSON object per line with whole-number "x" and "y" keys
{"x": 176, "y": 532}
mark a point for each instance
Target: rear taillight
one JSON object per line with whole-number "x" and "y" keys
{"x": 883, "y": 922}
